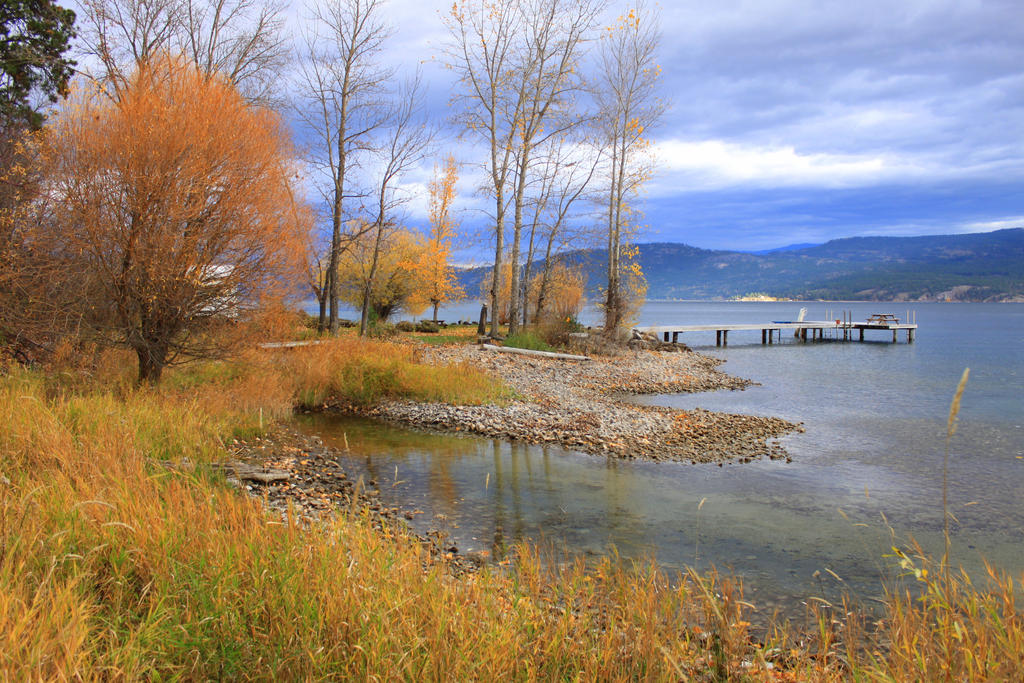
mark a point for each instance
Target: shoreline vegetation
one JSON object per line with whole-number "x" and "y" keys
{"x": 124, "y": 554}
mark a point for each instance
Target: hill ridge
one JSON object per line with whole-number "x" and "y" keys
{"x": 985, "y": 266}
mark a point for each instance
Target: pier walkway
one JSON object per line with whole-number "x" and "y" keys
{"x": 837, "y": 330}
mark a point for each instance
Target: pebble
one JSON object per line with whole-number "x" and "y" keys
{"x": 586, "y": 406}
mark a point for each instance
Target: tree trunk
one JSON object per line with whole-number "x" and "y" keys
{"x": 332, "y": 293}
{"x": 499, "y": 243}
{"x": 528, "y": 272}
{"x": 517, "y": 231}
{"x": 364, "y": 317}
{"x": 545, "y": 278}
{"x": 151, "y": 364}
{"x": 436, "y": 304}
{"x": 335, "y": 246}
{"x": 336, "y": 209}
{"x": 613, "y": 305}
{"x": 611, "y": 295}
{"x": 321, "y": 298}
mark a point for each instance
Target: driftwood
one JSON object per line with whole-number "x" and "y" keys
{"x": 290, "y": 344}
{"x": 531, "y": 352}
{"x": 245, "y": 472}
{"x": 240, "y": 471}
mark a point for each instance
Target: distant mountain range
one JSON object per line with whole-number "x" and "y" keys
{"x": 788, "y": 247}
{"x": 972, "y": 267}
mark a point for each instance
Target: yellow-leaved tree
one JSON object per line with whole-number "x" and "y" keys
{"x": 396, "y": 283}
{"x": 436, "y": 275}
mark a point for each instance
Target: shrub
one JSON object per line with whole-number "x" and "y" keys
{"x": 428, "y": 326}
{"x": 405, "y": 326}
{"x": 380, "y": 330}
{"x": 556, "y": 331}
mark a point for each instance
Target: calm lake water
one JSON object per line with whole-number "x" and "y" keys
{"x": 868, "y": 466}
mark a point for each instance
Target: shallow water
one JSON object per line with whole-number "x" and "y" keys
{"x": 875, "y": 415}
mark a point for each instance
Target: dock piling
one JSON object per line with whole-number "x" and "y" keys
{"x": 818, "y": 329}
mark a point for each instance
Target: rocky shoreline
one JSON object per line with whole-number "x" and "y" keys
{"x": 286, "y": 468}
{"x": 586, "y": 406}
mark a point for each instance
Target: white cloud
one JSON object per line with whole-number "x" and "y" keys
{"x": 988, "y": 226}
{"x": 715, "y": 164}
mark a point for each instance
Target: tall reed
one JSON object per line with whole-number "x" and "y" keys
{"x": 115, "y": 566}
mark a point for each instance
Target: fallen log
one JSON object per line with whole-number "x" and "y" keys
{"x": 531, "y": 352}
{"x": 291, "y": 344}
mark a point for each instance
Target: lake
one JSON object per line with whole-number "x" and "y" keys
{"x": 868, "y": 467}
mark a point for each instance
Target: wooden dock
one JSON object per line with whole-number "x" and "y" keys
{"x": 817, "y": 330}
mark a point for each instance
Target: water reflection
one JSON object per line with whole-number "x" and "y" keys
{"x": 488, "y": 494}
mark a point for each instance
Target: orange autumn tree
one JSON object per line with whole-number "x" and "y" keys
{"x": 175, "y": 204}
{"x": 439, "y": 284}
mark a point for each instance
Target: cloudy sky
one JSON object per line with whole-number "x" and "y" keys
{"x": 805, "y": 120}
{"x": 801, "y": 121}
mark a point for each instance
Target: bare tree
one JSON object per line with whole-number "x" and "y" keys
{"x": 241, "y": 39}
{"x": 565, "y": 177}
{"x": 344, "y": 87}
{"x": 626, "y": 91}
{"x": 124, "y": 33}
{"x": 518, "y": 63}
{"x": 482, "y": 53}
{"x": 404, "y": 146}
{"x": 555, "y": 31}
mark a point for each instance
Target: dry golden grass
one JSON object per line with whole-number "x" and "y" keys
{"x": 365, "y": 371}
{"x": 114, "y": 567}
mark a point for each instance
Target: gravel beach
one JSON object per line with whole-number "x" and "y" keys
{"x": 585, "y": 405}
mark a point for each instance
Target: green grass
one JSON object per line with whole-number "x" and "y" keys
{"x": 527, "y": 340}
